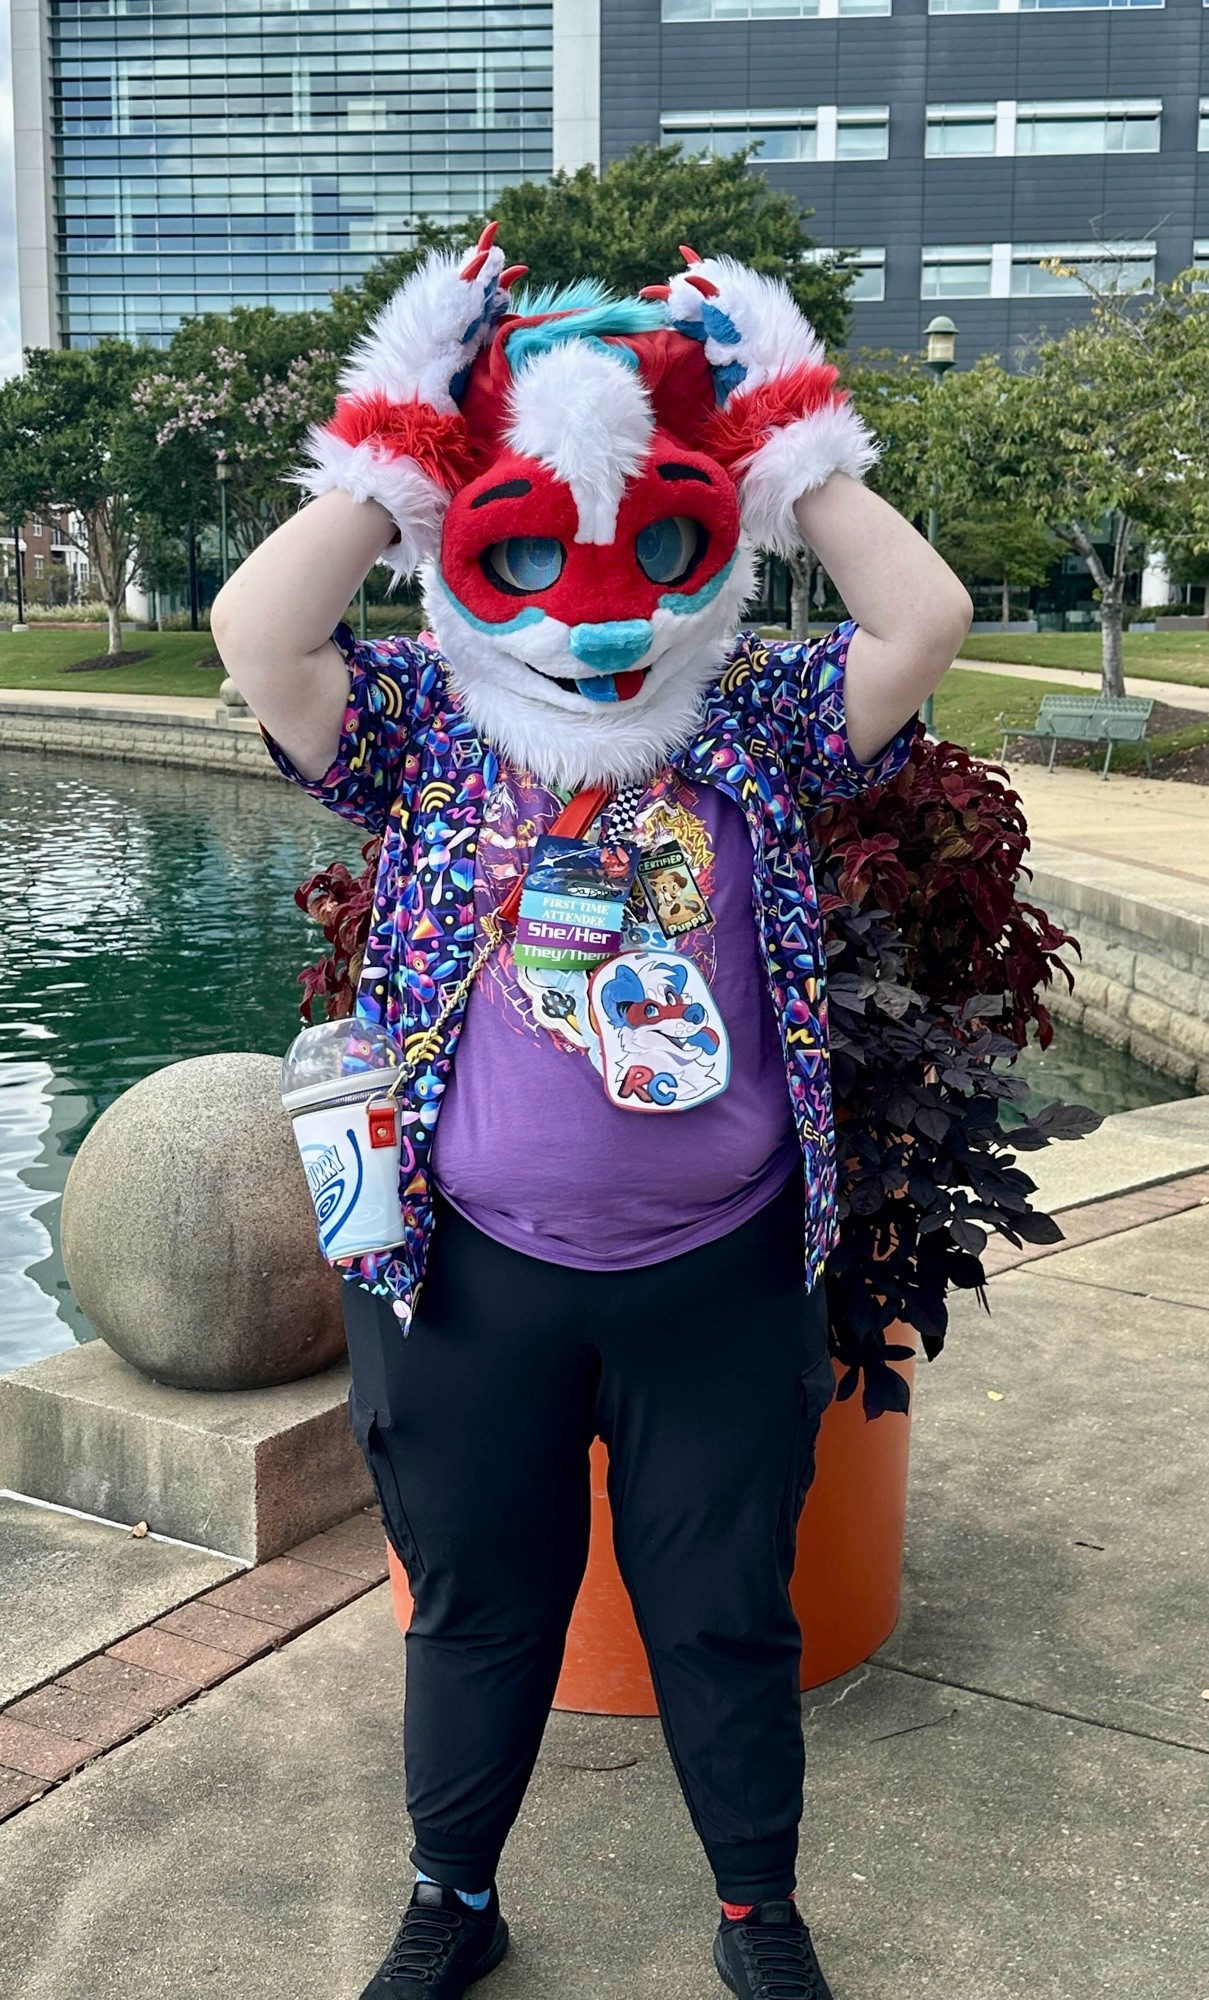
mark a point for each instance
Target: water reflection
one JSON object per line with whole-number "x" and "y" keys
{"x": 148, "y": 915}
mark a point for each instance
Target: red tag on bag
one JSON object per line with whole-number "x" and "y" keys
{"x": 383, "y": 1122}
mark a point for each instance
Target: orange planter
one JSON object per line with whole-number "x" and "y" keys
{"x": 845, "y": 1587}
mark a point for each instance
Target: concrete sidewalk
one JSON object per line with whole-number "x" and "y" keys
{"x": 1178, "y": 693}
{"x": 1011, "y": 1803}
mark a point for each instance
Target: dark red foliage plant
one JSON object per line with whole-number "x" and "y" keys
{"x": 937, "y": 973}
{"x": 341, "y": 904}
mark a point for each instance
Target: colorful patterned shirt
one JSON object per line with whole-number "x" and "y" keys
{"x": 410, "y": 767}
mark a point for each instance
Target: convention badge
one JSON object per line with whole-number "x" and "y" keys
{"x": 559, "y": 1000}
{"x": 663, "y": 1042}
{"x": 671, "y": 890}
{"x": 573, "y": 903}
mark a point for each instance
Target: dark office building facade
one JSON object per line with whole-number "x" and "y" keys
{"x": 954, "y": 149}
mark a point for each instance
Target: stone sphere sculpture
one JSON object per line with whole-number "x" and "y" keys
{"x": 189, "y": 1236}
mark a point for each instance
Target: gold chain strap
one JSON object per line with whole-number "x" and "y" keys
{"x": 426, "y": 1046}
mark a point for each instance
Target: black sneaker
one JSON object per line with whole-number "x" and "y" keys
{"x": 442, "y": 1947}
{"x": 768, "y": 1956}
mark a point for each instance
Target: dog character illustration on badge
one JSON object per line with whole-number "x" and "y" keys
{"x": 663, "y": 1042}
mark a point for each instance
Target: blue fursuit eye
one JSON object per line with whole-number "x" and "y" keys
{"x": 668, "y": 550}
{"x": 525, "y": 563}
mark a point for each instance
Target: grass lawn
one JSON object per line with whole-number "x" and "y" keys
{"x": 1154, "y": 656}
{"x": 37, "y": 659}
{"x": 967, "y": 704}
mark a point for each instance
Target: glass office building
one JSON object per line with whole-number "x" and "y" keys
{"x": 205, "y": 153}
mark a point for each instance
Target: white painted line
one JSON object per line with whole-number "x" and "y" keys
{"x": 78, "y": 1514}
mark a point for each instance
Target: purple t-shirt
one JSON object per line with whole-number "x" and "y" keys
{"x": 528, "y": 1146}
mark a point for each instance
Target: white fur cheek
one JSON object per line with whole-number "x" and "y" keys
{"x": 795, "y": 460}
{"x": 414, "y": 502}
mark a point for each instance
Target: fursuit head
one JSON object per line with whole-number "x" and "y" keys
{"x": 581, "y": 481}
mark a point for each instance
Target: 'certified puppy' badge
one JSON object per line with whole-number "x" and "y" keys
{"x": 663, "y": 1041}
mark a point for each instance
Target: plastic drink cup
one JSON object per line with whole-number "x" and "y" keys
{"x": 335, "y": 1083}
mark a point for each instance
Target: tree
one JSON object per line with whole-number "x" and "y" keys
{"x": 625, "y": 226}
{"x": 1001, "y": 543}
{"x": 241, "y": 388}
{"x": 895, "y": 395}
{"x": 1113, "y": 449}
{"x": 67, "y": 441}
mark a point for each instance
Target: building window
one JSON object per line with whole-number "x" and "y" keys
{"x": 778, "y": 135}
{"x": 956, "y": 271}
{"x": 39, "y": 565}
{"x": 868, "y": 268}
{"x": 1202, "y": 130}
{"x": 1125, "y": 125}
{"x": 36, "y": 524}
{"x": 1080, "y": 125}
{"x": 1018, "y": 270}
{"x": 862, "y": 132}
{"x": 1113, "y": 266}
{"x": 821, "y": 132}
{"x": 770, "y": 10}
{"x": 1200, "y": 259}
{"x": 1030, "y": 6}
{"x": 960, "y": 131}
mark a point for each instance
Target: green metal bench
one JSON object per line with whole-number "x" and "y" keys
{"x": 1085, "y": 718}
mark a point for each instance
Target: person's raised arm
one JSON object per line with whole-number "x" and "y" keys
{"x": 378, "y": 470}
{"x": 912, "y": 613}
{"x": 273, "y": 622}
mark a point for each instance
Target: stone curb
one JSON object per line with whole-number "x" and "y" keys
{"x": 117, "y": 1693}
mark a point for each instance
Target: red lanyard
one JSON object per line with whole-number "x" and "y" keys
{"x": 574, "y": 819}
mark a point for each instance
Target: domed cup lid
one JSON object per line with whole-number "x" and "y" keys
{"x": 336, "y": 1059}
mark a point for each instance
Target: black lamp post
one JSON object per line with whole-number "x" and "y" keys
{"x": 940, "y": 354}
{"x": 20, "y": 624}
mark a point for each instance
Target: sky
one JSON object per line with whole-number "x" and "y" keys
{"x": 10, "y": 352}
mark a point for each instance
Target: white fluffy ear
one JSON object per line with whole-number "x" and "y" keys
{"x": 428, "y": 332}
{"x": 748, "y": 324}
{"x": 587, "y": 416}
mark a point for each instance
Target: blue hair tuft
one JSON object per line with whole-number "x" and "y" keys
{"x": 591, "y": 314}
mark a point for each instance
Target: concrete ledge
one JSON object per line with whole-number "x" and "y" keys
{"x": 201, "y": 734}
{"x": 1133, "y": 1149}
{"x": 247, "y": 1472}
{"x": 1143, "y": 981}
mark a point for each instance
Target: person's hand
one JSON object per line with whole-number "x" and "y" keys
{"x": 422, "y": 343}
{"x": 751, "y": 328}
{"x": 783, "y": 425}
{"x": 397, "y": 434}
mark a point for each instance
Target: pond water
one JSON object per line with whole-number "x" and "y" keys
{"x": 148, "y": 915}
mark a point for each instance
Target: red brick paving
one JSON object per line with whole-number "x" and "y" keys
{"x": 17, "y": 1790}
{"x": 136, "y": 1687}
{"x": 118, "y": 1692}
{"x": 212, "y": 1626}
{"x": 39, "y": 1753}
{"x": 287, "y": 1593}
{"x": 166, "y": 1653}
{"x": 97, "y": 1720}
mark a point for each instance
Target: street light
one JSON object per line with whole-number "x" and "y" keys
{"x": 20, "y": 624}
{"x": 223, "y": 473}
{"x": 941, "y": 351}
{"x": 940, "y": 354}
